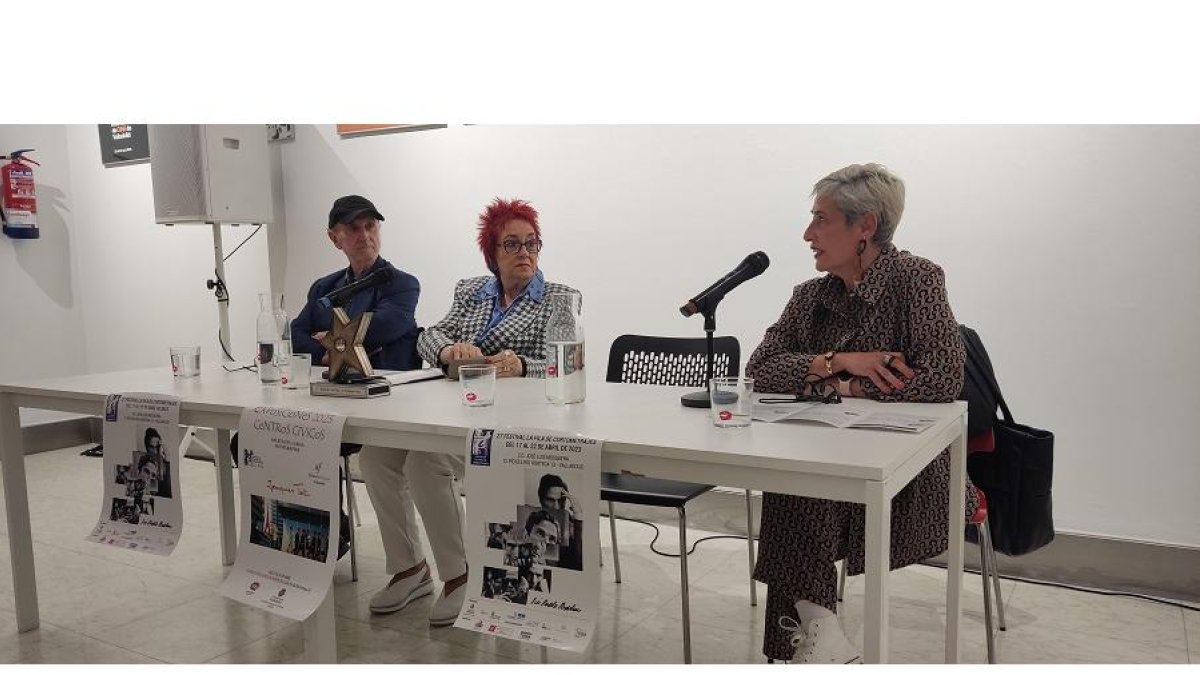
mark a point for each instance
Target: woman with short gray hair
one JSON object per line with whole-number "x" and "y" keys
{"x": 877, "y": 325}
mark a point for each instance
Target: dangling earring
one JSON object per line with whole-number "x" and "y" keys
{"x": 862, "y": 246}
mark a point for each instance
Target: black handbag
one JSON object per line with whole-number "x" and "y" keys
{"x": 1017, "y": 476}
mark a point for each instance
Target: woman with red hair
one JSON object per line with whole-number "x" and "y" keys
{"x": 501, "y": 317}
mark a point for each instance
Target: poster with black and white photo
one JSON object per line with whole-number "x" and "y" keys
{"x": 142, "y": 509}
{"x": 288, "y": 539}
{"x": 533, "y": 549}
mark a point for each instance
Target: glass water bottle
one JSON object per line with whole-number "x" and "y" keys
{"x": 565, "y": 378}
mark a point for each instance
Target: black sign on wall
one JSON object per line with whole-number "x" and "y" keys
{"x": 124, "y": 144}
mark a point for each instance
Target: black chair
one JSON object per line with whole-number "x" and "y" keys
{"x": 643, "y": 359}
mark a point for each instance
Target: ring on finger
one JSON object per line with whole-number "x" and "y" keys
{"x": 887, "y": 359}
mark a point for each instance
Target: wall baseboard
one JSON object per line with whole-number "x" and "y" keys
{"x": 1145, "y": 568}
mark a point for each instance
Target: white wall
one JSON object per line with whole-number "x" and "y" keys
{"x": 105, "y": 288}
{"x": 1071, "y": 249}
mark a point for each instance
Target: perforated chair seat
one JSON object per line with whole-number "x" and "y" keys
{"x": 626, "y": 489}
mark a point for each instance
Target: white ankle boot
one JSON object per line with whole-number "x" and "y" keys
{"x": 820, "y": 641}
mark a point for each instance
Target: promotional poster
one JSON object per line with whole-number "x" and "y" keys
{"x": 533, "y": 549}
{"x": 288, "y": 538}
{"x": 142, "y": 509}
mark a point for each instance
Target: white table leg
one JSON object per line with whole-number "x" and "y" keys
{"x": 878, "y": 562}
{"x": 16, "y": 501}
{"x": 226, "y": 514}
{"x": 320, "y": 633}
{"x": 954, "y": 559}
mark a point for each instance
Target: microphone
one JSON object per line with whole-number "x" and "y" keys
{"x": 339, "y": 296}
{"x": 707, "y": 300}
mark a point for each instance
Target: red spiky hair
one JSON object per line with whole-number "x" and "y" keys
{"x": 493, "y": 219}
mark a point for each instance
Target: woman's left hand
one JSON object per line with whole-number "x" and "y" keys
{"x": 507, "y": 363}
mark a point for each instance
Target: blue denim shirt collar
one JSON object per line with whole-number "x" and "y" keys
{"x": 535, "y": 289}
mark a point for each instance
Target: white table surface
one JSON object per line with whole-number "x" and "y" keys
{"x": 644, "y": 428}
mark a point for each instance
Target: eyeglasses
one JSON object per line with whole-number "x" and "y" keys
{"x": 512, "y": 246}
{"x": 813, "y": 390}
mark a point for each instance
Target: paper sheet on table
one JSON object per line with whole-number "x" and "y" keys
{"x": 398, "y": 377}
{"x": 142, "y": 509}
{"x": 533, "y": 549}
{"x": 846, "y": 414}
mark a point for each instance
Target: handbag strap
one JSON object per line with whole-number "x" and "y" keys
{"x": 989, "y": 380}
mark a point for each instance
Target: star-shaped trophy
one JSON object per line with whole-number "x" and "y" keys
{"x": 343, "y": 342}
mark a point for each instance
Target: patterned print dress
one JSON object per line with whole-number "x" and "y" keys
{"x": 899, "y": 306}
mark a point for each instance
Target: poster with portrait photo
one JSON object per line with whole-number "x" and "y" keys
{"x": 287, "y": 541}
{"x": 141, "y": 508}
{"x": 533, "y": 564}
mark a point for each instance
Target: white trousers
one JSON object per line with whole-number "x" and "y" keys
{"x": 399, "y": 480}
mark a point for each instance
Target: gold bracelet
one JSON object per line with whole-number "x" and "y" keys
{"x": 829, "y": 363}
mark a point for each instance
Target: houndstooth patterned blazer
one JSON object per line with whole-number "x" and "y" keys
{"x": 523, "y": 328}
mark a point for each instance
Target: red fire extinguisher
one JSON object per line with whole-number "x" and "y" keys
{"x": 18, "y": 201}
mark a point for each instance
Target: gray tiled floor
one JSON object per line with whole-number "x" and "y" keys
{"x": 103, "y": 605}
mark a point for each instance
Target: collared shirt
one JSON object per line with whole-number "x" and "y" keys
{"x": 492, "y": 290}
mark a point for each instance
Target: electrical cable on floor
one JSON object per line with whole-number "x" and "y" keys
{"x": 1038, "y": 582}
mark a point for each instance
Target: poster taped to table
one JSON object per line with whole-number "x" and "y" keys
{"x": 533, "y": 549}
{"x": 142, "y": 509}
{"x": 288, "y": 539}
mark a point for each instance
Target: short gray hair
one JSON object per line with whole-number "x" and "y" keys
{"x": 859, "y": 189}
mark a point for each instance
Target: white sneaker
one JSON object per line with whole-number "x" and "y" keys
{"x": 820, "y": 641}
{"x": 446, "y": 609}
{"x": 395, "y": 597}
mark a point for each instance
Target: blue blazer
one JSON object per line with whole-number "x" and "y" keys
{"x": 391, "y": 339}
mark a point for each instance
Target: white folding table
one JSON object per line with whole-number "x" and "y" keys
{"x": 644, "y": 429}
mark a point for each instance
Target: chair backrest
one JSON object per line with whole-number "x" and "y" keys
{"x": 978, "y": 381}
{"x": 649, "y": 359}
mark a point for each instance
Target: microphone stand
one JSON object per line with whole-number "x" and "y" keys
{"x": 703, "y": 399}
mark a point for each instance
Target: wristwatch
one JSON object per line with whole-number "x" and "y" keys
{"x": 829, "y": 362}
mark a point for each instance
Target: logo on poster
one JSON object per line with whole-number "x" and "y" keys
{"x": 281, "y": 592}
{"x": 251, "y": 459}
{"x": 481, "y": 447}
{"x": 110, "y": 407}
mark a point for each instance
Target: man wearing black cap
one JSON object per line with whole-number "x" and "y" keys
{"x": 391, "y": 338}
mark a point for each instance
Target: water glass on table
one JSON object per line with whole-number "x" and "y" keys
{"x": 299, "y": 371}
{"x": 478, "y": 384}
{"x": 732, "y": 401}
{"x": 185, "y": 361}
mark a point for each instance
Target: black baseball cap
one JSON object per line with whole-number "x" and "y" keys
{"x": 347, "y": 209}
